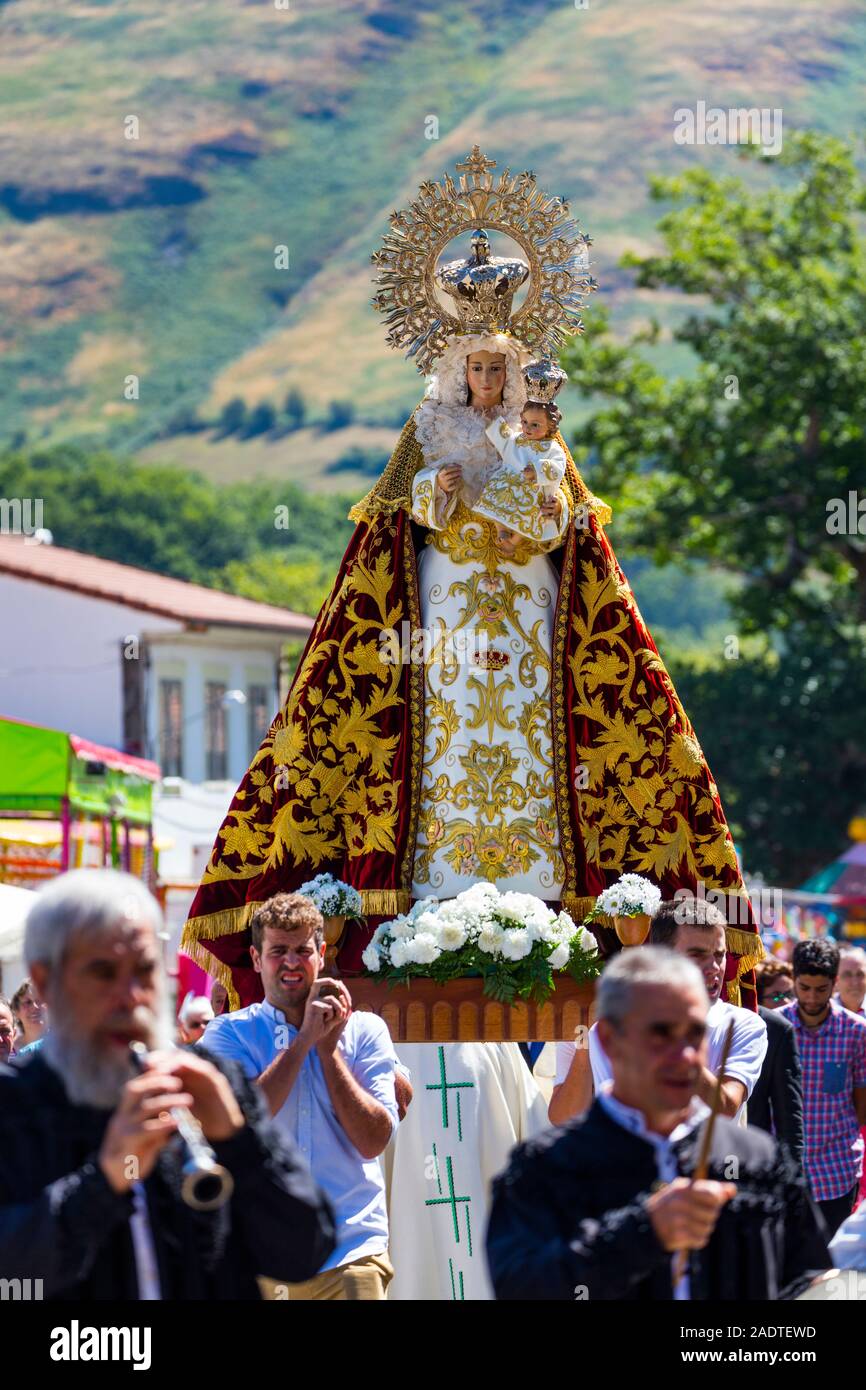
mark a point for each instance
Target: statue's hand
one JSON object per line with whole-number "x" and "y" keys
{"x": 551, "y": 507}
{"x": 449, "y": 477}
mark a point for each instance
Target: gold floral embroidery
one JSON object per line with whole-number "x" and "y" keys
{"x": 484, "y": 844}
{"x": 424, "y": 503}
{"x": 643, "y": 756}
{"x": 512, "y": 501}
{"x": 509, "y": 822}
{"x": 326, "y": 747}
{"x": 469, "y": 538}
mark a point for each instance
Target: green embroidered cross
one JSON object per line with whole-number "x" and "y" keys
{"x": 451, "y": 1200}
{"x": 445, "y": 1086}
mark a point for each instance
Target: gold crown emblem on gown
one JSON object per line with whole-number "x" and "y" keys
{"x": 481, "y": 287}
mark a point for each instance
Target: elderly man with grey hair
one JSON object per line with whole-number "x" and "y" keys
{"x": 91, "y": 1165}
{"x": 601, "y": 1208}
{"x": 851, "y": 980}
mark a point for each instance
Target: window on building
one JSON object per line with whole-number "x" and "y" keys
{"x": 171, "y": 728}
{"x": 258, "y": 715}
{"x": 216, "y": 732}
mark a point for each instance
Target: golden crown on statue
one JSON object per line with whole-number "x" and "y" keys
{"x": 481, "y": 287}
{"x": 543, "y": 379}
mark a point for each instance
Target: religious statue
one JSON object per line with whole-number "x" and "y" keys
{"x": 533, "y": 739}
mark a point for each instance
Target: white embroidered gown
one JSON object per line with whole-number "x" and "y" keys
{"x": 487, "y": 804}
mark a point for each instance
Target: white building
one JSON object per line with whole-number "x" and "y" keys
{"x": 172, "y": 671}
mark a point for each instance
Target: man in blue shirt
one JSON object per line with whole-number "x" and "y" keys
{"x": 328, "y": 1076}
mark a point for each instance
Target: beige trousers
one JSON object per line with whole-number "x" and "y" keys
{"x": 367, "y": 1278}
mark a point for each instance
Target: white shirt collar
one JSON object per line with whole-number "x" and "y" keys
{"x": 635, "y": 1120}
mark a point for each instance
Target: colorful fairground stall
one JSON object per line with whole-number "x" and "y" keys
{"x": 840, "y": 888}
{"x": 830, "y": 903}
{"x": 66, "y": 802}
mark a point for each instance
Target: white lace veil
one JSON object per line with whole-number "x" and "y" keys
{"x": 447, "y": 384}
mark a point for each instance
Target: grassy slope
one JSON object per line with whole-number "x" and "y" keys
{"x": 174, "y": 293}
{"x": 593, "y": 122}
{"x": 306, "y": 127}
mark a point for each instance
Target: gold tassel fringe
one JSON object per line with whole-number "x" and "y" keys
{"x": 379, "y": 901}
{"x": 197, "y": 930}
{"x": 746, "y": 944}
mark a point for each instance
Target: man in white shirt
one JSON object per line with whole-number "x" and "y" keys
{"x": 694, "y": 928}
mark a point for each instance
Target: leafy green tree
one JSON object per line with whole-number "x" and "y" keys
{"x": 233, "y": 417}
{"x": 745, "y": 462}
{"x": 300, "y": 584}
{"x": 261, "y": 420}
{"x": 294, "y": 409}
{"x": 185, "y": 420}
{"x": 783, "y": 734}
{"x": 340, "y": 414}
{"x": 172, "y": 520}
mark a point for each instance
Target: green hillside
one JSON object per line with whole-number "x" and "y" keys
{"x": 257, "y": 127}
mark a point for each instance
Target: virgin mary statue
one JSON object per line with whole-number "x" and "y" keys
{"x": 473, "y": 704}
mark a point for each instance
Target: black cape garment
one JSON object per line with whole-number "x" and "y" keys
{"x": 569, "y": 1220}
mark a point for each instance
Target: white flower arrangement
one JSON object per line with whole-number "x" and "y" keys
{"x": 332, "y": 896}
{"x": 631, "y": 896}
{"x": 513, "y": 940}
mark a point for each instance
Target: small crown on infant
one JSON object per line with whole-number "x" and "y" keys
{"x": 543, "y": 379}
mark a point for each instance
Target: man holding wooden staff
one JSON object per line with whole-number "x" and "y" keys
{"x": 636, "y": 1199}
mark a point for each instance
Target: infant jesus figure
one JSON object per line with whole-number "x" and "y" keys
{"x": 524, "y": 497}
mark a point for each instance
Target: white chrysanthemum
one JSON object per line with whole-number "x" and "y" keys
{"x": 398, "y": 952}
{"x": 552, "y": 932}
{"x": 468, "y": 911}
{"x": 559, "y": 958}
{"x": 370, "y": 957}
{"x": 479, "y": 894}
{"x": 524, "y": 910}
{"x": 451, "y": 935}
{"x": 423, "y": 949}
{"x": 585, "y": 940}
{"x": 402, "y": 928}
{"x": 490, "y": 939}
{"x": 515, "y": 904}
{"x": 426, "y": 922}
{"x": 516, "y": 944}
{"x": 630, "y": 895}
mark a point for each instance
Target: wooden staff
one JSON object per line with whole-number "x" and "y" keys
{"x": 703, "y": 1163}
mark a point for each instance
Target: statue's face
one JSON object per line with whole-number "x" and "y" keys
{"x": 485, "y": 377}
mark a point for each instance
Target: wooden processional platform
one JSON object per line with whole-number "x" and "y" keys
{"x": 423, "y": 1011}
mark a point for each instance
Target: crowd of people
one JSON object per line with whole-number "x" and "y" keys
{"x": 300, "y": 1100}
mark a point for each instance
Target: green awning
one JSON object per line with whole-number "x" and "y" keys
{"x": 34, "y": 768}
{"x": 40, "y": 767}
